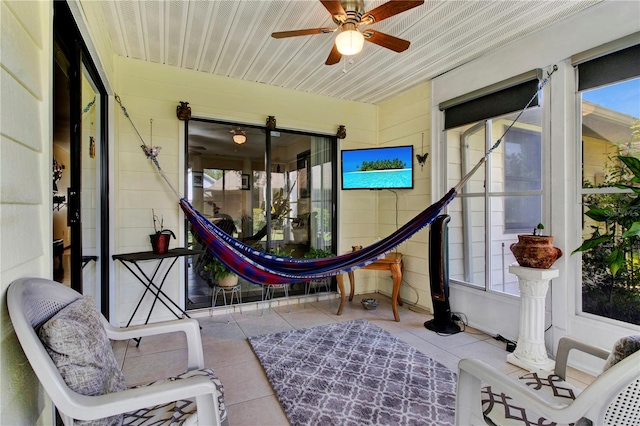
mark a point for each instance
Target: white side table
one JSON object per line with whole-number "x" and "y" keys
{"x": 531, "y": 353}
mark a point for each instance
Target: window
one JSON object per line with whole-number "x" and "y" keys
{"x": 522, "y": 172}
{"x": 505, "y": 196}
{"x": 609, "y": 95}
{"x": 502, "y": 199}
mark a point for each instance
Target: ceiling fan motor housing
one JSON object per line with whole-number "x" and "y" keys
{"x": 354, "y": 10}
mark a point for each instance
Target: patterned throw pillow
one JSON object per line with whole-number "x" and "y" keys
{"x": 622, "y": 349}
{"x": 78, "y": 345}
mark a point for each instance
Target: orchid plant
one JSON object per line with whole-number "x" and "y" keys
{"x": 156, "y": 220}
{"x": 161, "y": 229}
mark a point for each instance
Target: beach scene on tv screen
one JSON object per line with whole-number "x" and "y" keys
{"x": 377, "y": 168}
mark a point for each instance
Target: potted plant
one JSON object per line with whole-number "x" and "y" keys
{"x": 317, "y": 253}
{"x": 223, "y": 275}
{"x": 535, "y": 250}
{"x": 160, "y": 239}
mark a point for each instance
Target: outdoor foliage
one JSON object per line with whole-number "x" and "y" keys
{"x": 281, "y": 251}
{"x": 368, "y": 166}
{"x": 611, "y": 256}
{"x": 317, "y": 253}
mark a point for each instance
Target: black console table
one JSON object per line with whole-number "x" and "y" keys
{"x": 134, "y": 258}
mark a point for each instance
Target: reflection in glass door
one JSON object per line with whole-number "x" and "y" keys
{"x": 302, "y": 191}
{"x": 275, "y": 192}
{"x": 90, "y": 194}
{"x": 79, "y": 218}
{"x": 76, "y": 196}
{"x": 61, "y": 163}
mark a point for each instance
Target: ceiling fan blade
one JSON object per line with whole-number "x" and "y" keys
{"x": 334, "y": 56}
{"x": 333, "y": 6}
{"x": 388, "y": 10}
{"x": 385, "y": 40}
{"x": 295, "y": 33}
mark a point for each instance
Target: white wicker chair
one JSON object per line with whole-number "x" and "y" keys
{"x": 612, "y": 399}
{"x": 33, "y": 301}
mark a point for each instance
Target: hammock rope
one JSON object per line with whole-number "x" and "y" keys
{"x": 265, "y": 268}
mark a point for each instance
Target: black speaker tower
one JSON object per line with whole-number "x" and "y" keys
{"x": 442, "y": 321}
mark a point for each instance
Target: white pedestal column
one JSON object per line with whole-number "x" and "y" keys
{"x": 531, "y": 353}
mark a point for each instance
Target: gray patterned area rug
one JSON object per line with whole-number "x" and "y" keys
{"x": 355, "y": 373}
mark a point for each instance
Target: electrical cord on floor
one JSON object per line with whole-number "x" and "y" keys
{"x": 414, "y": 289}
{"x": 511, "y": 345}
{"x": 456, "y": 317}
{"x": 459, "y": 317}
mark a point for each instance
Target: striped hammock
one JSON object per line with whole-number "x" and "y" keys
{"x": 265, "y": 268}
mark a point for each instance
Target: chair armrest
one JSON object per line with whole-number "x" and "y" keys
{"x": 565, "y": 345}
{"x": 473, "y": 372}
{"x": 189, "y": 326}
{"x": 608, "y": 387}
{"x": 96, "y": 407}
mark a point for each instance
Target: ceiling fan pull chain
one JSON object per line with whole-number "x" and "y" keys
{"x": 347, "y": 61}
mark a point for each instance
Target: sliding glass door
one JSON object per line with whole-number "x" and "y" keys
{"x": 275, "y": 191}
{"x": 79, "y": 161}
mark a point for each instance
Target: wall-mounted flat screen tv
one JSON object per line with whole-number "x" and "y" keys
{"x": 378, "y": 168}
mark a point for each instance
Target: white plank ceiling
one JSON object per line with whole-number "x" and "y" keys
{"x": 232, "y": 38}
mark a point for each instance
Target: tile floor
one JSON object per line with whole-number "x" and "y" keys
{"x": 249, "y": 397}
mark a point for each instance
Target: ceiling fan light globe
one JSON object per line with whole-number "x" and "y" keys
{"x": 239, "y": 139}
{"x": 349, "y": 42}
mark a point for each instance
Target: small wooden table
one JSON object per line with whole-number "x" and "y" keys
{"x": 392, "y": 262}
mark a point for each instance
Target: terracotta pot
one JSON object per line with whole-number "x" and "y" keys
{"x": 228, "y": 281}
{"x": 535, "y": 251}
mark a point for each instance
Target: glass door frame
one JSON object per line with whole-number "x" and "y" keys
{"x": 68, "y": 37}
{"x": 269, "y": 167}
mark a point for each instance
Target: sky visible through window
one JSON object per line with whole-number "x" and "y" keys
{"x": 622, "y": 97}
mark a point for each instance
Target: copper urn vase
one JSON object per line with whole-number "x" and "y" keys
{"x": 535, "y": 251}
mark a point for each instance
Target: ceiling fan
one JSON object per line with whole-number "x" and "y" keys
{"x": 239, "y": 136}
{"x": 349, "y": 15}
